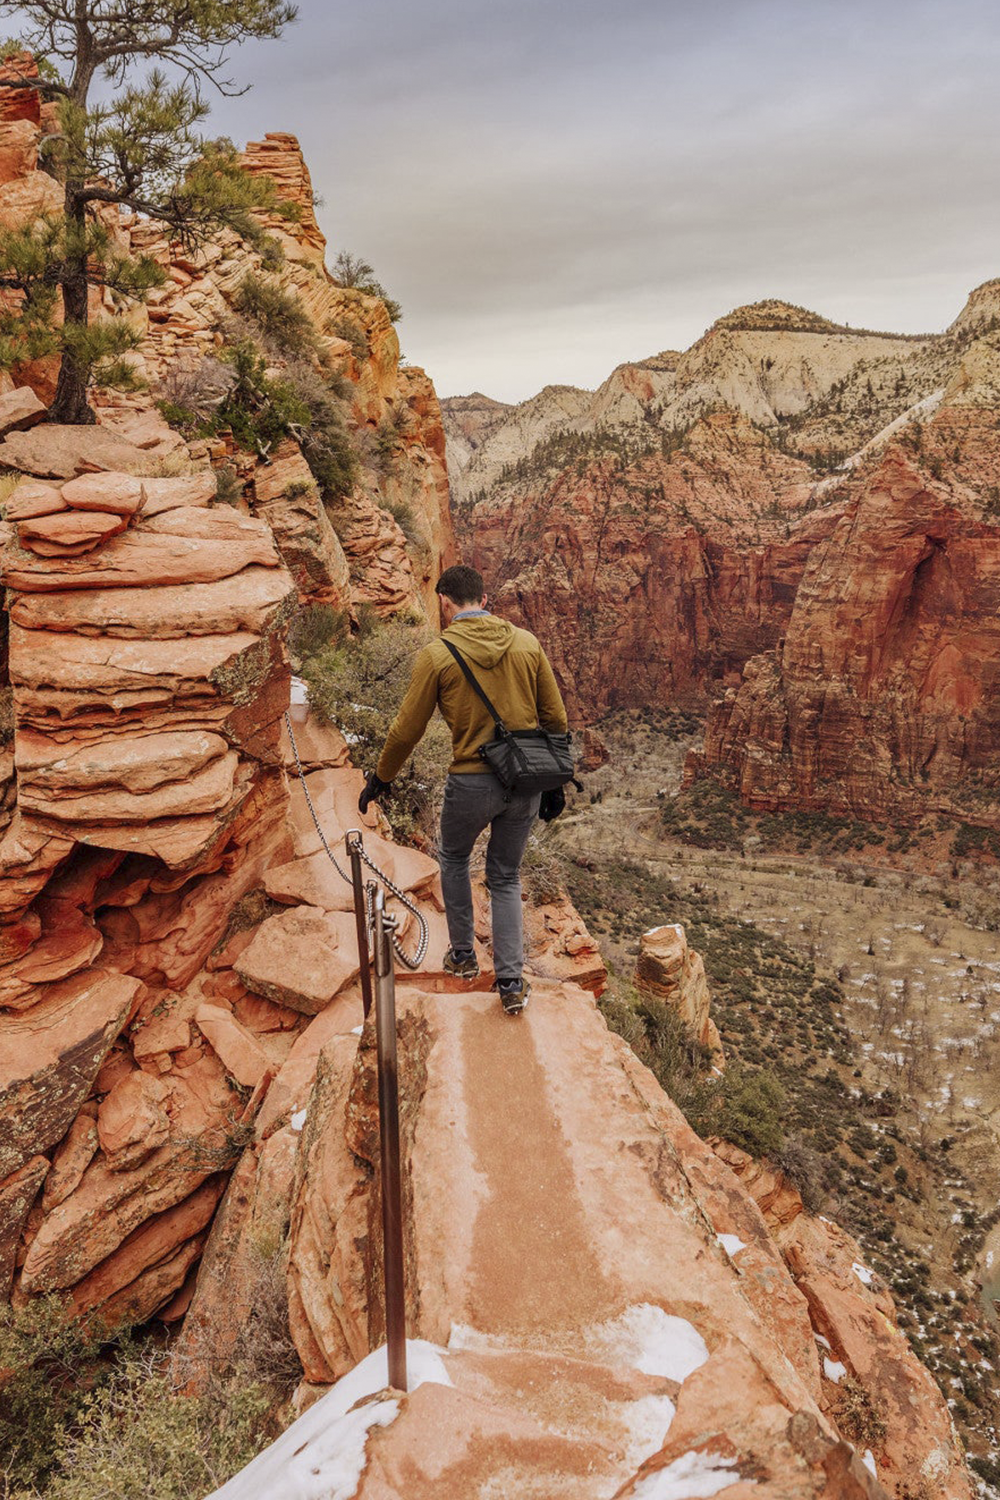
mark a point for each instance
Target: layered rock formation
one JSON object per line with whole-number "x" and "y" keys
{"x": 602, "y": 1305}
{"x": 881, "y": 701}
{"x": 649, "y": 581}
{"x": 149, "y": 675}
{"x": 152, "y": 797}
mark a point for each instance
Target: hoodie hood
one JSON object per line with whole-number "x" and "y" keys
{"x": 482, "y": 639}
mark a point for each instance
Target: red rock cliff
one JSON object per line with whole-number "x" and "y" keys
{"x": 649, "y": 582}
{"x": 882, "y": 700}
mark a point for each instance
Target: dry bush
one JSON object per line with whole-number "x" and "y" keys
{"x": 856, "y": 1414}
{"x": 197, "y": 387}
{"x": 543, "y": 872}
{"x": 265, "y": 1351}
{"x": 358, "y": 686}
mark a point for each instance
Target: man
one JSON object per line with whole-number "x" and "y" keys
{"x": 516, "y": 676}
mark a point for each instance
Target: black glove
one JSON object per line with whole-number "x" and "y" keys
{"x": 374, "y": 791}
{"x": 552, "y": 804}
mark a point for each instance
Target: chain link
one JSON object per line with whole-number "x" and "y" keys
{"x": 404, "y": 900}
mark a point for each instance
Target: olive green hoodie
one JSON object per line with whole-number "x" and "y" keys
{"x": 513, "y": 671}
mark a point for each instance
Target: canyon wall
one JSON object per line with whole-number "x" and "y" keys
{"x": 881, "y": 701}
{"x": 802, "y": 516}
{"x": 650, "y": 581}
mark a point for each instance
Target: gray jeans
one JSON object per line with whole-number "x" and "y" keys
{"x": 470, "y": 804}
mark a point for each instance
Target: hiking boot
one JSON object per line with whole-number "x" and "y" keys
{"x": 513, "y": 995}
{"x": 461, "y": 962}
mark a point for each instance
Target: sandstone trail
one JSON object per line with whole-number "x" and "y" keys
{"x": 597, "y": 1305}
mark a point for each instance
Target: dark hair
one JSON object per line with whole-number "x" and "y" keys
{"x": 461, "y": 584}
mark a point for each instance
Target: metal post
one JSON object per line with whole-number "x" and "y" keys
{"x": 360, "y": 917}
{"x": 388, "y": 1113}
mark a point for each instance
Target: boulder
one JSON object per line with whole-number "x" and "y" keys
{"x": 57, "y": 451}
{"x": 141, "y": 559}
{"x": 239, "y": 1050}
{"x": 17, "y": 1194}
{"x": 18, "y": 151}
{"x": 72, "y": 1157}
{"x": 23, "y": 202}
{"x": 21, "y": 408}
{"x": 121, "y": 494}
{"x": 302, "y": 958}
{"x": 288, "y": 498}
{"x": 32, "y": 498}
{"x": 247, "y": 603}
{"x": 121, "y": 1288}
{"x": 75, "y": 532}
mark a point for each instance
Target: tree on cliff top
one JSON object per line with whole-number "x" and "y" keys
{"x": 136, "y": 146}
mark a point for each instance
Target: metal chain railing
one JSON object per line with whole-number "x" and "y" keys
{"x": 423, "y": 938}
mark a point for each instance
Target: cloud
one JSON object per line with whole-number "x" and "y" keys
{"x": 549, "y": 190}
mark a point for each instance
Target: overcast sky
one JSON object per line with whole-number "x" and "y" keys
{"x": 552, "y": 188}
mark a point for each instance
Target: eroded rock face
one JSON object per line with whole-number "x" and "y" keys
{"x": 354, "y": 552}
{"x": 652, "y": 584}
{"x": 150, "y": 796}
{"x": 881, "y": 702}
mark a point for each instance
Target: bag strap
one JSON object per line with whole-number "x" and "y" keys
{"x": 474, "y": 685}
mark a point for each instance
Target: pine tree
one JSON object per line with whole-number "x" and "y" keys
{"x": 136, "y": 145}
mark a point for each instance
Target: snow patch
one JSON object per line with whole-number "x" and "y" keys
{"x": 648, "y": 1339}
{"x": 298, "y": 1119}
{"x": 693, "y": 1476}
{"x": 862, "y": 1273}
{"x": 834, "y": 1370}
{"x": 643, "y": 1338}
{"x": 868, "y": 1459}
{"x": 731, "y": 1243}
{"x": 646, "y": 1423}
{"x": 322, "y": 1455}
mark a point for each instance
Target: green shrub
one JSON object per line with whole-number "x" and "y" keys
{"x": 261, "y": 410}
{"x": 315, "y": 627}
{"x": 743, "y": 1106}
{"x": 352, "y": 270}
{"x": 351, "y": 331}
{"x": 279, "y": 315}
{"x": 228, "y": 486}
{"x": 404, "y": 516}
{"x": 44, "y": 1357}
{"x": 659, "y": 1038}
{"x": 359, "y": 686}
{"x": 135, "y": 1438}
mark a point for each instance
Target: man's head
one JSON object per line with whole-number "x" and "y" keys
{"x": 459, "y": 588}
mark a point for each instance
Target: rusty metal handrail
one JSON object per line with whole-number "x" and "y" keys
{"x": 388, "y": 1115}
{"x": 360, "y": 918}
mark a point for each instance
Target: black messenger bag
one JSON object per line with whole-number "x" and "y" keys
{"x": 524, "y": 761}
